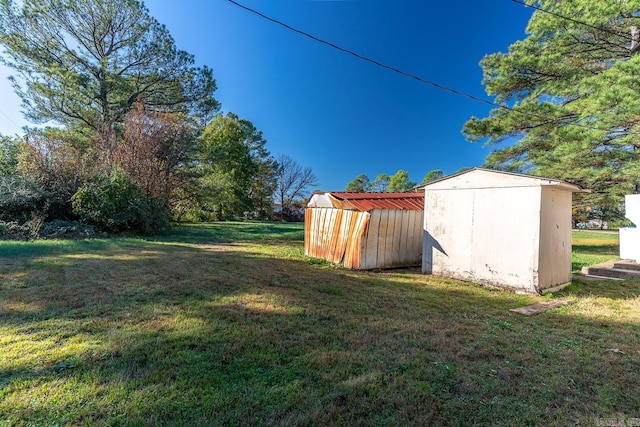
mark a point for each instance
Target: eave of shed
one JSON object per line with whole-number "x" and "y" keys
{"x": 369, "y": 201}
{"x": 489, "y": 178}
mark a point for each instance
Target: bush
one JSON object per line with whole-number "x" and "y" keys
{"x": 115, "y": 204}
{"x": 37, "y": 229}
{"x": 21, "y": 198}
{"x": 9, "y": 150}
{"x": 196, "y": 214}
{"x": 14, "y": 230}
{"x": 58, "y": 168}
{"x": 67, "y": 230}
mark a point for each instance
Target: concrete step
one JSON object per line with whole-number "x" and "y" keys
{"x": 614, "y": 269}
{"x": 626, "y": 264}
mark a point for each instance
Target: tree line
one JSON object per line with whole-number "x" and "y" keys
{"x": 135, "y": 135}
{"x": 133, "y": 117}
{"x": 398, "y": 182}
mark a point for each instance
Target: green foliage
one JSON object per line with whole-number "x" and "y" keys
{"x": 573, "y": 87}
{"x": 21, "y": 198}
{"x": 56, "y": 229}
{"x": 58, "y": 167}
{"x": 88, "y": 62}
{"x": 399, "y": 182}
{"x": 432, "y": 176}
{"x": 380, "y": 183}
{"x": 9, "y": 151}
{"x": 237, "y": 173}
{"x": 360, "y": 184}
{"x": 59, "y": 229}
{"x": 263, "y": 187}
{"x": 116, "y": 204}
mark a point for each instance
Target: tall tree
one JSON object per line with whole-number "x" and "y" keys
{"x": 89, "y": 61}
{"x": 380, "y": 183}
{"x": 292, "y": 180}
{"x": 237, "y": 170}
{"x": 263, "y": 188}
{"x": 359, "y": 184}
{"x": 432, "y": 176}
{"x": 399, "y": 182}
{"x": 571, "y": 87}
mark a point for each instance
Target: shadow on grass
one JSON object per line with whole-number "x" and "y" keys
{"x": 612, "y": 250}
{"x": 602, "y": 288}
{"x": 232, "y": 232}
{"x": 40, "y": 248}
{"x": 241, "y": 334}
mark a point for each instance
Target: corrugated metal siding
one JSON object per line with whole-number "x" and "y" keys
{"x": 335, "y": 235}
{"x": 394, "y": 238}
{"x": 364, "y": 240}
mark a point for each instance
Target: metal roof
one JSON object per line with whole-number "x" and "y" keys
{"x": 369, "y": 201}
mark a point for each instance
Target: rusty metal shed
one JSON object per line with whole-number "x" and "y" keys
{"x": 365, "y": 230}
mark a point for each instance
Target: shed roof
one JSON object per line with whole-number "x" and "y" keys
{"x": 480, "y": 178}
{"x": 368, "y": 201}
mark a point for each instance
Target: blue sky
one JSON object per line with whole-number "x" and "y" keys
{"x": 331, "y": 111}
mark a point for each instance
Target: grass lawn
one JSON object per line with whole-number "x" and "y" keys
{"x": 593, "y": 247}
{"x": 229, "y": 324}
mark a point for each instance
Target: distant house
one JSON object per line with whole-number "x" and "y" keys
{"x": 365, "y": 230}
{"x": 499, "y": 228}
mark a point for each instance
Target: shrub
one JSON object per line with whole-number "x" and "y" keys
{"x": 57, "y": 166}
{"x": 37, "y": 229}
{"x": 21, "y": 198}
{"x": 9, "y": 150}
{"x": 115, "y": 203}
{"x": 14, "y": 230}
{"x": 59, "y": 229}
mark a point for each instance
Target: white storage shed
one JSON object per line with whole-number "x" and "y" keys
{"x": 499, "y": 228}
{"x": 365, "y": 230}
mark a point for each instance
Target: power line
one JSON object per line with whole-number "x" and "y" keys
{"x": 365, "y": 58}
{"x": 10, "y": 121}
{"x": 403, "y": 73}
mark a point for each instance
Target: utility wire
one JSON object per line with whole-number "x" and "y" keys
{"x": 10, "y": 121}
{"x": 404, "y": 73}
{"x": 364, "y": 58}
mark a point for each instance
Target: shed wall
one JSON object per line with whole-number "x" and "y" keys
{"x": 393, "y": 238}
{"x": 484, "y": 235}
{"x": 335, "y": 235}
{"x": 555, "y": 238}
{"x": 364, "y": 240}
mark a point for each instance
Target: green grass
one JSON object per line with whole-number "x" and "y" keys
{"x": 593, "y": 247}
{"x": 230, "y": 324}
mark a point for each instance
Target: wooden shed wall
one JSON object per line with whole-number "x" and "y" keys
{"x": 364, "y": 240}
